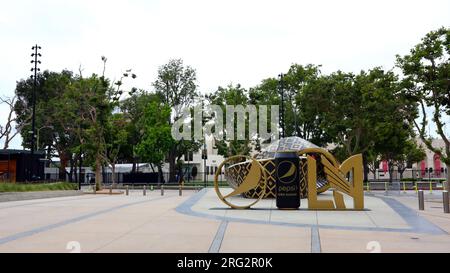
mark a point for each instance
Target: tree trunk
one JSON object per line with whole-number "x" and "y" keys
{"x": 75, "y": 165}
{"x": 391, "y": 171}
{"x": 62, "y": 166}
{"x": 98, "y": 173}
{"x": 160, "y": 174}
{"x": 113, "y": 175}
{"x": 366, "y": 169}
{"x": 447, "y": 183}
{"x": 133, "y": 169}
{"x": 172, "y": 164}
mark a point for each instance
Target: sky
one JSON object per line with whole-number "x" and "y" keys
{"x": 226, "y": 42}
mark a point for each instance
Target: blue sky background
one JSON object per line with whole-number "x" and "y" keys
{"x": 225, "y": 41}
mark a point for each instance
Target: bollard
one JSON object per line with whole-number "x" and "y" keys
{"x": 151, "y": 187}
{"x": 404, "y": 187}
{"x": 126, "y": 190}
{"x": 144, "y": 192}
{"x": 445, "y": 201}
{"x": 385, "y": 187}
{"x": 421, "y": 200}
{"x": 431, "y": 188}
{"x": 162, "y": 190}
{"x": 368, "y": 186}
{"x": 415, "y": 186}
{"x": 180, "y": 191}
{"x": 94, "y": 188}
{"x": 110, "y": 189}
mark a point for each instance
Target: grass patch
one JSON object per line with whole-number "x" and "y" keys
{"x": 58, "y": 186}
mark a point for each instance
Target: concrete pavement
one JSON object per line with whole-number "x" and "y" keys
{"x": 199, "y": 222}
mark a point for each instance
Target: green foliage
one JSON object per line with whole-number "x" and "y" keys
{"x": 426, "y": 83}
{"x": 176, "y": 84}
{"x": 16, "y": 187}
{"x": 133, "y": 109}
{"x": 176, "y": 87}
{"x": 231, "y": 95}
{"x": 157, "y": 139}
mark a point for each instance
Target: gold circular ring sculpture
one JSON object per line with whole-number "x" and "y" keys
{"x": 252, "y": 180}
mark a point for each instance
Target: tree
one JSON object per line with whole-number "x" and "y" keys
{"x": 390, "y": 131}
{"x": 345, "y": 116}
{"x": 231, "y": 95}
{"x": 363, "y": 113}
{"x": 176, "y": 86}
{"x": 301, "y": 103}
{"x": 411, "y": 153}
{"x": 116, "y": 139}
{"x": 266, "y": 93}
{"x": 10, "y": 130}
{"x": 426, "y": 83}
{"x": 157, "y": 139}
{"x": 92, "y": 92}
{"x": 133, "y": 109}
{"x": 305, "y": 81}
{"x": 52, "y": 108}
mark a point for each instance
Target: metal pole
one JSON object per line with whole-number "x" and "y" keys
{"x": 189, "y": 170}
{"x": 162, "y": 190}
{"x": 144, "y": 192}
{"x": 282, "y": 105}
{"x": 445, "y": 201}
{"x": 79, "y": 169}
{"x": 180, "y": 193}
{"x": 110, "y": 189}
{"x": 421, "y": 200}
{"x": 33, "y": 101}
{"x": 205, "y": 152}
{"x": 126, "y": 190}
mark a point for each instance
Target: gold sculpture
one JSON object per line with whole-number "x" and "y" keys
{"x": 255, "y": 177}
{"x": 345, "y": 178}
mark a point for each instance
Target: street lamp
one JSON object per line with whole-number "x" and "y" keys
{"x": 281, "y": 91}
{"x": 35, "y": 69}
{"x": 204, "y": 151}
{"x": 204, "y": 157}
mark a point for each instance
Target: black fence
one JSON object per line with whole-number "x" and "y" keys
{"x": 138, "y": 178}
{"x": 154, "y": 178}
{"x": 409, "y": 175}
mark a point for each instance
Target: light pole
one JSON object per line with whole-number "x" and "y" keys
{"x": 205, "y": 151}
{"x": 188, "y": 168}
{"x": 35, "y": 60}
{"x": 281, "y": 90}
{"x": 204, "y": 157}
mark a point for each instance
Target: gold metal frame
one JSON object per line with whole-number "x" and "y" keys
{"x": 219, "y": 170}
{"x": 327, "y": 154}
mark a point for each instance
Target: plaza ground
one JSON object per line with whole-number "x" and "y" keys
{"x": 199, "y": 222}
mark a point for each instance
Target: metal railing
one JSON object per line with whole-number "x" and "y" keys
{"x": 409, "y": 174}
